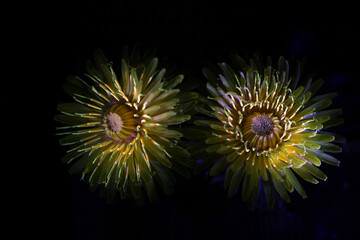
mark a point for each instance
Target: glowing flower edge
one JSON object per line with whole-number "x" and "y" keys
{"x": 120, "y": 129}
{"x": 264, "y": 128}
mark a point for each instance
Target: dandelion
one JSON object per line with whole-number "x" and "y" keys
{"x": 266, "y": 129}
{"x": 122, "y": 129}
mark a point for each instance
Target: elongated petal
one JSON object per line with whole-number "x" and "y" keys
{"x": 325, "y": 157}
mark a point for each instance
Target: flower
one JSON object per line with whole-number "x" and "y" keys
{"x": 122, "y": 130}
{"x": 265, "y": 129}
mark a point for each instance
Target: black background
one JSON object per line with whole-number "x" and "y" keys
{"x": 187, "y": 34}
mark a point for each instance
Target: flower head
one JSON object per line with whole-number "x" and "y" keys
{"x": 122, "y": 129}
{"x": 265, "y": 128}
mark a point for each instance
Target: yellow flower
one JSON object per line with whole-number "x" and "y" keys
{"x": 266, "y": 129}
{"x": 120, "y": 127}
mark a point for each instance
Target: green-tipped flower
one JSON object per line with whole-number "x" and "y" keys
{"x": 119, "y": 127}
{"x": 265, "y": 128}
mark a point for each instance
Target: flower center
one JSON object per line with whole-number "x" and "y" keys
{"x": 262, "y": 125}
{"x": 262, "y": 131}
{"x": 113, "y": 122}
{"x": 120, "y": 123}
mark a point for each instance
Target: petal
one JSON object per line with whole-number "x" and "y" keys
{"x": 329, "y": 147}
{"x": 305, "y": 175}
{"x": 280, "y": 189}
{"x": 322, "y": 138}
{"x": 218, "y": 167}
{"x": 315, "y": 171}
{"x": 325, "y": 157}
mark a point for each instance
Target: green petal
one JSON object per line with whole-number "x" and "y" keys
{"x": 72, "y": 120}
{"x": 209, "y": 75}
{"x": 240, "y": 63}
{"x": 315, "y": 171}
{"x": 269, "y": 193}
{"x": 312, "y": 158}
{"x": 212, "y": 90}
{"x": 219, "y": 127}
{"x": 322, "y": 104}
{"x": 156, "y": 82}
{"x": 293, "y": 180}
{"x": 140, "y": 160}
{"x": 305, "y": 175}
{"x": 131, "y": 167}
{"x": 201, "y": 109}
{"x": 274, "y": 174}
{"x": 322, "y": 119}
{"x": 332, "y": 113}
{"x": 204, "y": 122}
{"x": 226, "y": 148}
{"x": 150, "y": 70}
{"x": 312, "y": 145}
{"x": 228, "y": 177}
{"x": 297, "y": 92}
{"x": 75, "y": 108}
{"x": 152, "y": 110}
{"x": 321, "y": 138}
{"x": 325, "y": 157}
{"x": 69, "y": 157}
{"x": 157, "y": 151}
{"x": 164, "y": 116}
{"x": 314, "y": 87}
{"x": 247, "y": 187}
{"x": 231, "y": 156}
{"x": 151, "y": 190}
{"x": 230, "y": 76}
{"x": 75, "y": 85}
{"x": 280, "y": 189}
{"x": 304, "y": 113}
{"x": 181, "y": 170}
{"x": 177, "y": 119}
{"x": 165, "y": 96}
{"x": 213, "y": 148}
{"x": 94, "y": 160}
{"x": 72, "y": 139}
{"x": 106, "y": 169}
{"x": 187, "y": 96}
{"x": 136, "y": 193}
{"x": 218, "y": 167}
{"x": 174, "y": 82}
{"x": 329, "y": 147}
{"x": 164, "y": 178}
{"x": 333, "y": 122}
{"x": 324, "y": 96}
{"x": 80, "y": 164}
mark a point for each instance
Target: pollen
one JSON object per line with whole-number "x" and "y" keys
{"x": 262, "y": 125}
{"x": 114, "y": 122}
{"x": 262, "y": 131}
{"x": 120, "y": 123}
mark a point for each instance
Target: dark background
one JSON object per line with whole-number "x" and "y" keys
{"x": 188, "y": 34}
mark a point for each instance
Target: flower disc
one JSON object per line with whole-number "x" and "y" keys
{"x": 120, "y": 123}
{"x": 263, "y": 131}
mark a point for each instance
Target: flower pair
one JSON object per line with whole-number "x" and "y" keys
{"x": 258, "y": 124}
